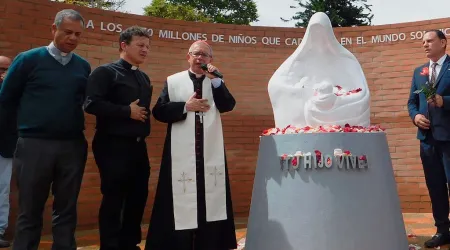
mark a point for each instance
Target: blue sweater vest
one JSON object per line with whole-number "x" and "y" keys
{"x": 47, "y": 95}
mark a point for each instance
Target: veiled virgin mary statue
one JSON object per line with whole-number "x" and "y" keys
{"x": 321, "y": 83}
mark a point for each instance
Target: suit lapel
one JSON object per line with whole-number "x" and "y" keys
{"x": 444, "y": 69}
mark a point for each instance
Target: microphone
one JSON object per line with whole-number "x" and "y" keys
{"x": 215, "y": 72}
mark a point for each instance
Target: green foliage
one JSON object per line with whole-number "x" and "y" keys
{"x": 163, "y": 9}
{"x": 342, "y": 13}
{"x": 241, "y": 12}
{"x": 100, "y": 4}
{"x": 429, "y": 90}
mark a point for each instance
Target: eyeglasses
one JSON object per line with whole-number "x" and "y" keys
{"x": 199, "y": 54}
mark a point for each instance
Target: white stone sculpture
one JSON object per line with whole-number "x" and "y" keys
{"x": 321, "y": 83}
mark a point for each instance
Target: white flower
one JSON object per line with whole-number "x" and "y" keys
{"x": 338, "y": 152}
{"x": 298, "y": 153}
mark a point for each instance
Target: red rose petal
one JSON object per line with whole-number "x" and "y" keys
{"x": 347, "y": 128}
{"x": 294, "y": 161}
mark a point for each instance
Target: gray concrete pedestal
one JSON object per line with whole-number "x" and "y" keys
{"x": 349, "y": 208}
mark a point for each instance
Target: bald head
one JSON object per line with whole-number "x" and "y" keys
{"x": 5, "y": 60}
{"x": 4, "y": 65}
{"x": 201, "y": 45}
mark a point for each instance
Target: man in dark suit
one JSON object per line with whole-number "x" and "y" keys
{"x": 432, "y": 117}
{"x": 8, "y": 139}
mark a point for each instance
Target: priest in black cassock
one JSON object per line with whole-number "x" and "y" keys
{"x": 119, "y": 95}
{"x": 192, "y": 208}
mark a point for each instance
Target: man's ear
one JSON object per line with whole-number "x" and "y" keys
{"x": 54, "y": 29}
{"x": 123, "y": 45}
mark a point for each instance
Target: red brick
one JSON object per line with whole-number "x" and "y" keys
{"x": 248, "y": 68}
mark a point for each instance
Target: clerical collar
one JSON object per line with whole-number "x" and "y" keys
{"x": 127, "y": 65}
{"x": 195, "y": 74}
{"x": 55, "y": 51}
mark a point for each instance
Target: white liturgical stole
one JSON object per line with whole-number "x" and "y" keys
{"x": 184, "y": 186}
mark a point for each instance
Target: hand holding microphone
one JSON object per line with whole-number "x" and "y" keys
{"x": 211, "y": 71}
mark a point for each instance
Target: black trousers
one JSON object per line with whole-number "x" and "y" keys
{"x": 435, "y": 156}
{"x": 196, "y": 237}
{"x": 124, "y": 171}
{"x": 39, "y": 164}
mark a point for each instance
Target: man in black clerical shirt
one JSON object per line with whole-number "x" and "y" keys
{"x": 119, "y": 95}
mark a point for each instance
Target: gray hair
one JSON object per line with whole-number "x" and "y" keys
{"x": 197, "y": 43}
{"x": 68, "y": 13}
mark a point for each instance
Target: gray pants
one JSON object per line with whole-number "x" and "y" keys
{"x": 41, "y": 164}
{"x": 5, "y": 179}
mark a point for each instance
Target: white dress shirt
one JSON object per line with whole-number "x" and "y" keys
{"x": 438, "y": 67}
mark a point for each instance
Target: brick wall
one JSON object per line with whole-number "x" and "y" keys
{"x": 388, "y": 65}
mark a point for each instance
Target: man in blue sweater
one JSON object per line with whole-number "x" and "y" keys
{"x": 46, "y": 87}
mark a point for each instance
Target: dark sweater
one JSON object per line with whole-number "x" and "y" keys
{"x": 47, "y": 95}
{"x": 8, "y": 136}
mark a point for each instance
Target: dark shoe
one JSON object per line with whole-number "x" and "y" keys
{"x": 438, "y": 239}
{"x": 130, "y": 247}
{"x": 3, "y": 242}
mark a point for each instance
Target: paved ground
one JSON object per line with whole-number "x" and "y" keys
{"x": 418, "y": 226}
